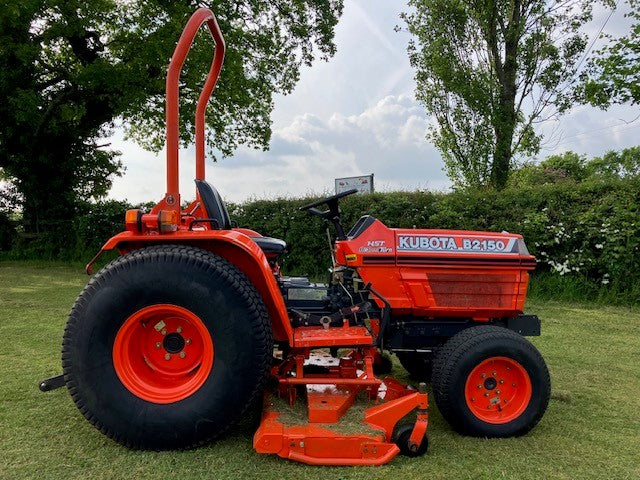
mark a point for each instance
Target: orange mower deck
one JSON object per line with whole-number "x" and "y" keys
{"x": 329, "y": 396}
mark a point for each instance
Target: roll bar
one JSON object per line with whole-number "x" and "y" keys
{"x": 201, "y": 16}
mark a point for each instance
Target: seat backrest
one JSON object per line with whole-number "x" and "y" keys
{"x": 213, "y": 204}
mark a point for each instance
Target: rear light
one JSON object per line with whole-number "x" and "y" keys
{"x": 133, "y": 220}
{"x": 167, "y": 221}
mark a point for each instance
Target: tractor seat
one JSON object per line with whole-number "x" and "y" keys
{"x": 213, "y": 204}
{"x": 273, "y": 246}
{"x": 216, "y": 209}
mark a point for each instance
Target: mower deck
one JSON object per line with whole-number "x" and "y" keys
{"x": 330, "y": 392}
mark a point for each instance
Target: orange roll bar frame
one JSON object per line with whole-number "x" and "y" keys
{"x": 200, "y": 17}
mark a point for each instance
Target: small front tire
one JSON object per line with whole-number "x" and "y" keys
{"x": 489, "y": 381}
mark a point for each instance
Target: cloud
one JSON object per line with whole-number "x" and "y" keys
{"x": 387, "y": 139}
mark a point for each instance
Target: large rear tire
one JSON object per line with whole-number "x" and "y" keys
{"x": 489, "y": 381}
{"x": 167, "y": 347}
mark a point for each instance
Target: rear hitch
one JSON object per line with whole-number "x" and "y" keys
{"x": 51, "y": 383}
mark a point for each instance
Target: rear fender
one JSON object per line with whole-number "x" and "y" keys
{"x": 234, "y": 246}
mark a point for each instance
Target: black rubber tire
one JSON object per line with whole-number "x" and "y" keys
{"x": 401, "y": 436}
{"x": 461, "y": 354}
{"x": 207, "y": 285}
{"x": 419, "y": 365}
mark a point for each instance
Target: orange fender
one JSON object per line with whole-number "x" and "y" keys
{"x": 234, "y": 246}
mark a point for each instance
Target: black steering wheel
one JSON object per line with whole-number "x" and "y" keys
{"x": 333, "y": 214}
{"x": 328, "y": 200}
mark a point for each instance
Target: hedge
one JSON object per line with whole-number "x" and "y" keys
{"x": 588, "y": 232}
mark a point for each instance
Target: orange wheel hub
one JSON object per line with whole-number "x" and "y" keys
{"x": 163, "y": 353}
{"x": 498, "y": 390}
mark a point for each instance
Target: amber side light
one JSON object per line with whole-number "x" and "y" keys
{"x": 167, "y": 221}
{"x": 133, "y": 220}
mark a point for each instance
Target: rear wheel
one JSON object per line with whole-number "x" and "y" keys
{"x": 418, "y": 365}
{"x": 490, "y": 382}
{"x": 167, "y": 347}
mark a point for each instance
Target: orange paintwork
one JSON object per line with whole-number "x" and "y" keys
{"x": 498, "y": 390}
{"x": 200, "y": 17}
{"x": 314, "y": 444}
{"x": 236, "y": 247}
{"x": 430, "y": 273}
{"x": 315, "y": 337}
{"x": 147, "y": 370}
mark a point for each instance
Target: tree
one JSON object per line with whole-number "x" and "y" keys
{"x": 613, "y": 73}
{"x": 488, "y": 71}
{"x": 71, "y": 69}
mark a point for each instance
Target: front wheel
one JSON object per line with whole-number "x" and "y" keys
{"x": 167, "y": 347}
{"x": 489, "y": 381}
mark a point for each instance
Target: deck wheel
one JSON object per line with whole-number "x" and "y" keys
{"x": 402, "y": 436}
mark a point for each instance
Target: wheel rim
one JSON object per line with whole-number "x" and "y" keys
{"x": 163, "y": 353}
{"x": 498, "y": 390}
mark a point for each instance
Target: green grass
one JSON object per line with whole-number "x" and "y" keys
{"x": 591, "y": 429}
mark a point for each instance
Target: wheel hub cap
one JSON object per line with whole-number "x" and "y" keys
{"x": 163, "y": 353}
{"x": 498, "y": 390}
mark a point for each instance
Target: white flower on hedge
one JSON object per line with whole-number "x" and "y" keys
{"x": 561, "y": 268}
{"x": 599, "y": 246}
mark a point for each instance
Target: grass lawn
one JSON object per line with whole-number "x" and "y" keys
{"x": 591, "y": 429}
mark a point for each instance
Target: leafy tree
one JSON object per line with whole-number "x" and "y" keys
{"x": 71, "y": 70}
{"x": 570, "y": 167}
{"x": 489, "y": 71}
{"x": 615, "y": 164}
{"x": 613, "y": 73}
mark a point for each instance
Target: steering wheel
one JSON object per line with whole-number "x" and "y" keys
{"x": 329, "y": 201}
{"x": 333, "y": 214}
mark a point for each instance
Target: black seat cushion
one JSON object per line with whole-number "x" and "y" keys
{"x": 270, "y": 245}
{"x": 213, "y": 204}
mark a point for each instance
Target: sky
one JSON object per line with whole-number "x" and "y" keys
{"x": 355, "y": 115}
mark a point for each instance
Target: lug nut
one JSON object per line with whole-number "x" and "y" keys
{"x": 182, "y": 354}
{"x": 494, "y": 373}
{"x": 187, "y": 341}
{"x": 479, "y": 386}
{"x": 501, "y": 380}
{"x": 179, "y": 329}
{"x": 498, "y": 392}
{"x": 483, "y": 375}
{"x": 164, "y": 331}
{"x": 486, "y": 394}
{"x": 157, "y": 344}
{"x": 167, "y": 356}
{"x": 513, "y": 384}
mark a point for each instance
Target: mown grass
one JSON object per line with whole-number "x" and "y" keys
{"x": 591, "y": 429}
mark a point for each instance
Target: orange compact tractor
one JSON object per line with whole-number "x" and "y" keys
{"x": 170, "y": 344}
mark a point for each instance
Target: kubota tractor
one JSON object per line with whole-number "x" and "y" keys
{"x": 170, "y": 344}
